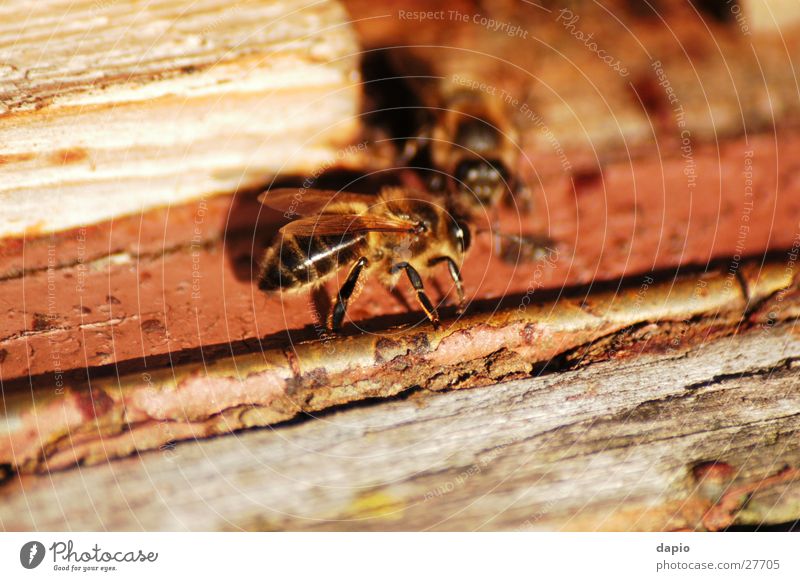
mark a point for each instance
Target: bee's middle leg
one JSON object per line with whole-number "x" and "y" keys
{"x": 345, "y": 292}
{"x": 416, "y": 281}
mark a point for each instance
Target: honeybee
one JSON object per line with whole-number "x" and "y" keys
{"x": 397, "y": 232}
{"x": 471, "y": 141}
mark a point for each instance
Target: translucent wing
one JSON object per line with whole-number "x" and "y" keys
{"x": 337, "y": 224}
{"x": 295, "y": 202}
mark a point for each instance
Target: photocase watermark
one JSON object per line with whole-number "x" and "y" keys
{"x": 31, "y": 554}
{"x": 50, "y": 319}
{"x": 101, "y": 5}
{"x": 80, "y": 266}
{"x": 528, "y": 523}
{"x": 569, "y": 20}
{"x": 739, "y": 16}
{"x": 196, "y": 247}
{"x": 566, "y": 17}
{"x": 698, "y": 292}
{"x": 319, "y": 321}
{"x": 622, "y": 340}
{"x": 791, "y": 272}
{"x": 686, "y": 146}
{"x": 229, "y": 11}
{"x": 487, "y": 22}
{"x": 67, "y": 558}
{"x": 472, "y": 470}
{"x": 744, "y": 221}
{"x": 321, "y": 328}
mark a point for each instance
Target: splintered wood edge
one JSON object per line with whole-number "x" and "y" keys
{"x": 59, "y": 426}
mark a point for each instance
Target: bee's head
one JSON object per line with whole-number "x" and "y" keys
{"x": 481, "y": 180}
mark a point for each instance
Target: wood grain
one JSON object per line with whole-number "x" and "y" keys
{"x": 621, "y": 445}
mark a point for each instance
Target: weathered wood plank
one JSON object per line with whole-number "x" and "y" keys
{"x": 60, "y": 420}
{"x": 621, "y": 445}
{"x": 111, "y": 108}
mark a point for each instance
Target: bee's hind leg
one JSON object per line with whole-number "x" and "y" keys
{"x": 452, "y": 268}
{"x": 345, "y": 292}
{"x": 416, "y": 281}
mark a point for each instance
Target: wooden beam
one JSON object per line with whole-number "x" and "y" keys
{"x": 699, "y": 438}
{"x": 57, "y": 422}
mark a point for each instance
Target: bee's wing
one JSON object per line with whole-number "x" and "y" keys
{"x": 337, "y": 224}
{"x": 305, "y": 202}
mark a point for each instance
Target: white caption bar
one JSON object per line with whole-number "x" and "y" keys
{"x": 406, "y": 556}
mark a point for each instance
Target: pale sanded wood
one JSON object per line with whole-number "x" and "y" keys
{"x": 111, "y": 108}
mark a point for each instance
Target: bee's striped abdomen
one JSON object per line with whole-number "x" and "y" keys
{"x": 294, "y": 262}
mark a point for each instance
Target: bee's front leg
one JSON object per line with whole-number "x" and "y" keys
{"x": 422, "y": 298}
{"x": 455, "y": 274}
